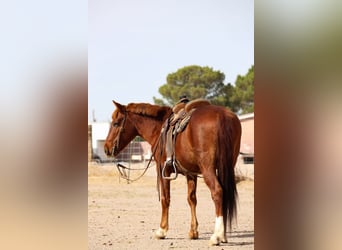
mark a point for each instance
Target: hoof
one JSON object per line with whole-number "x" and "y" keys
{"x": 214, "y": 240}
{"x": 193, "y": 235}
{"x": 160, "y": 234}
{"x": 224, "y": 239}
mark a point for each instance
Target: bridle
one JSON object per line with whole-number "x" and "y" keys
{"x": 120, "y": 166}
{"x": 122, "y": 130}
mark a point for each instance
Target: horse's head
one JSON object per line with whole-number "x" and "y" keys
{"x": 121, "y": 131}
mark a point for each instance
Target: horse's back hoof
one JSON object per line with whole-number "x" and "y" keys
{"x": 214, "y": 241}
{"x": 160, "y": 234}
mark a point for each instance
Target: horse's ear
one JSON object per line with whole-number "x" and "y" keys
{"x": 120, "y": 107}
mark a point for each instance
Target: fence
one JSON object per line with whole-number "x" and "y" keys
{"x": 134, "y": 152}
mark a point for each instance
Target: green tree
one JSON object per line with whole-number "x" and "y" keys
{"x": 194, "y": 82}
{"x": 227, "y": 98}
{"x": 203, "y": 82}
{"x": 243, "y": 95}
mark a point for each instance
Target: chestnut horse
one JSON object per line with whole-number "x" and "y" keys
{"x": 209, "y": 146}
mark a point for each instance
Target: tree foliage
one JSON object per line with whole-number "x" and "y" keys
{"x": 194, "y": 82}
{"x": 243, "y": 95}
{"x": 204, "y": 82}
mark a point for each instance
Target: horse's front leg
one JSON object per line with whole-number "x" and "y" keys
{"x": 192, "y": 200}
{"x": 165, "y": 202}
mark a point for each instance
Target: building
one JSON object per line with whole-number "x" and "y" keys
{"x": 247, "y": 137}
{"x": 97, "y": 132}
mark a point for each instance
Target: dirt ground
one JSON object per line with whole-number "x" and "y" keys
{"x": 124, "y": 216}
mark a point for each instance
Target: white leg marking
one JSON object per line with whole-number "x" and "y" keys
{"x": 160, "y": 233}
{"x": 218, "y": 235}
{"x": 219, "y": 228}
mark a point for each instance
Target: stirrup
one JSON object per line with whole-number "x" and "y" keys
{"x": 175, "y": 173}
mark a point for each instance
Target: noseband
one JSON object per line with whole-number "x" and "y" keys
{"x": 122, "y": 129}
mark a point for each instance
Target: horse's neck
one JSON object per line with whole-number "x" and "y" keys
{"x": 149, "y": 129}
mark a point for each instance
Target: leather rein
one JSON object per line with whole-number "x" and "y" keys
{"x": 119, "y": 165}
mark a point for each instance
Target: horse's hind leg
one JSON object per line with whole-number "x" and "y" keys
{"x": 192, "y": 184}
{"x": 216, "y": 195}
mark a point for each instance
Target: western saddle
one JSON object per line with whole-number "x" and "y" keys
{"x": 175, "y": 124}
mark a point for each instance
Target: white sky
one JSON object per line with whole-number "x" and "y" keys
{"x": 133, "y": 45}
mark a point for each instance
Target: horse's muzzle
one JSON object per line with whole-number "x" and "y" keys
{"x": 114, "y": 150}
{"x": 107, "y": 150}
{"x": 110, "y": 151}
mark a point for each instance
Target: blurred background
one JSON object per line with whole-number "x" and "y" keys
{"x": 43, "y": 180}
{"x": 298, "y": 124}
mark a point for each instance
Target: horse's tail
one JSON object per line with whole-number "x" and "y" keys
{"x": 226, "y": 155}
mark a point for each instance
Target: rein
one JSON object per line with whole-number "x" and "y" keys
{"x": 118, "y": 165}
{"x": 124, "y": 167}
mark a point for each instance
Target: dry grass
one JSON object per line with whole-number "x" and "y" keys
{"x": 110, "y": 170}
{"x": 101, "y": 170}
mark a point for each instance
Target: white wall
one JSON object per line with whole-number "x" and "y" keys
{"x": 99, "y": 132}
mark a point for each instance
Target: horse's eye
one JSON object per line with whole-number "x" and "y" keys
{"x": 115, "y": 124}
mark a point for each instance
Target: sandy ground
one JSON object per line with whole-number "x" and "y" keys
{"x": 124, "y": 216}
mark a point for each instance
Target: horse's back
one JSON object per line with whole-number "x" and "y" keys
{"x": 207, "y": 124}
{"x": 212, "y": 115}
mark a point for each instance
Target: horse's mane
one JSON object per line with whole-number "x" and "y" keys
{"x": 146, "y": 109}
